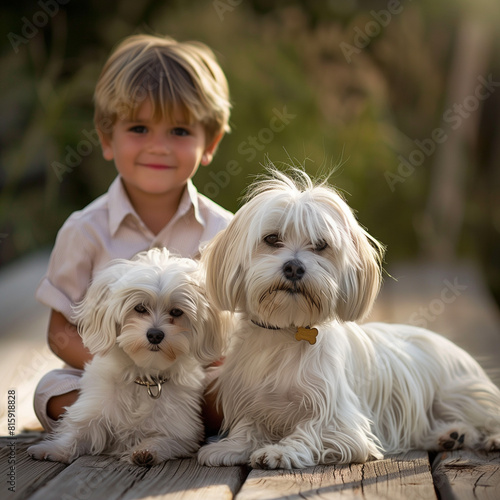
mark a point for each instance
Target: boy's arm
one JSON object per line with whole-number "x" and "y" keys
{"x": 65, "y": 342}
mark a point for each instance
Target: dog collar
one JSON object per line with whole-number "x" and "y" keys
{"x": 303, "y": 332}
{"x": 158, "y": 382}
{"x": 262, "y": 325}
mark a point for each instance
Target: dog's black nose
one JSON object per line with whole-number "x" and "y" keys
{"x": 155, "y": 335}
{"x": 294, "y": 270}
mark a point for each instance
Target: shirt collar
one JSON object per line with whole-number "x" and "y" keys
{"x": 119, "y": 205}
{"x": 192, "y": 193}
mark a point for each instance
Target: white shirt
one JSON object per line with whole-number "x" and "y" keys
{"x": 109, "y": 228}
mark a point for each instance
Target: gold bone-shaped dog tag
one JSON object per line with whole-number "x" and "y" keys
{"x": 307, "y": 333}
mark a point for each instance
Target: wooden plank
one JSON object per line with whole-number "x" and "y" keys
{"x": 95, "y": 478}
{"x": 91, "y": 478}
{"x": 25, "y": 438}
{"x": 405, "y": 476}
{"x": 464, "y": 474}
{"x": 27, "y": 474}
{"x": 105, "y": 477}
{"x": 186, "y": 480}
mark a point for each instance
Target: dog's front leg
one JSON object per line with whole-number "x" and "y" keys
{"x": 76, "y": 435}
{"x": 232, "y": 450}
{"x": 309, "y": 445}
{"x": 65, "y": 448}
{"x": 293, "y": 452}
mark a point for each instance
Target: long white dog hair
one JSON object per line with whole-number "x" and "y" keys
{"x": 151, "y": 330}
{"x": 302, "y": 383}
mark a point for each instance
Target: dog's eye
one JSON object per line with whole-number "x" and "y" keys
{"x": 176, "y": 313}
{"x": 140, "y": 309}
{"x": 273, "y": 240}
{"x": 321, "y": 245}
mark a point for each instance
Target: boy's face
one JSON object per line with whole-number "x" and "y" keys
{"x": 157, "y": 157}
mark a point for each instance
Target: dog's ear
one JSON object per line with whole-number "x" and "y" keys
{"x": 95, "y": 315}
{"x": 361, "y": 280}
{"x": 224, "y": 272}
{"x": 211, "y": 333}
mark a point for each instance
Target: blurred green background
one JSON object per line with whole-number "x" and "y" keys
{"x": 401, "y": 99}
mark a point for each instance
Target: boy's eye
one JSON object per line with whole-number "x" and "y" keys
{"x": 138, "y": 129}
{"x": 180, "y": 131}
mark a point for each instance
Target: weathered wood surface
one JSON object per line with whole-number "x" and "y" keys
{"x": 457, "y": 475}
{"x": 28, "y": 475}
{"x": 97, "y": 478}
{"x": 101, "y": 477}
{"x": 406, "y": 476}
{"x": 465, "y": 475}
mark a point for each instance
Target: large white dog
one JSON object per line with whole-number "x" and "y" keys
{"x": 303, "y": 384}
{"x": 151, "y": 329}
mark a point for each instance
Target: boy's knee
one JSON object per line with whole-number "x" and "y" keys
{"x": 56, "y": 405}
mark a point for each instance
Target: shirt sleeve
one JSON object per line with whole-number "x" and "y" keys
{"x": 70, "y": 269}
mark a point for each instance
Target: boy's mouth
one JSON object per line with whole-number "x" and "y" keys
{"x": 157, "y": 166}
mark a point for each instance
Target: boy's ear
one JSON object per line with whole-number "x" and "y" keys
{"x": 210, "y": 150}
{"x": 107, "y": 149}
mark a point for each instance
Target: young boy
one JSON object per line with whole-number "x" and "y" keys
{"x": 161, "y": 109}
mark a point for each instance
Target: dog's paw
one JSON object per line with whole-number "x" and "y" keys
{"x": 144, "y": 458}
{"x": 450, "y": 436}
{"x": 222, "y": 453}
{"x": 453, "y": 440}
{"x": 492, "y": 443}
{"x": 276, "y": 456}
{"x": 269, "y": 457}
{"x": 48, "y": 451}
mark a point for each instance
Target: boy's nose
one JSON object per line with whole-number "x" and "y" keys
{"x": 159, "y": 144}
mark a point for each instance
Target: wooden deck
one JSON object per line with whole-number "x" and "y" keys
{"x": 413, "y": 475}
{"x": 451, "y": 301}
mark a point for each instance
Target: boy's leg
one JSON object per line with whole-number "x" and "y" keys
{"x": 57, "y": 389}
{"x": 56, "y": 405}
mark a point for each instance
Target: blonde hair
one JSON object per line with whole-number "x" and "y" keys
{"x": 175, "y": 76}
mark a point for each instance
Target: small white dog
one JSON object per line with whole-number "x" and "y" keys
{"x": 302, "y": 384}
{"x": 151, "y": 329}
